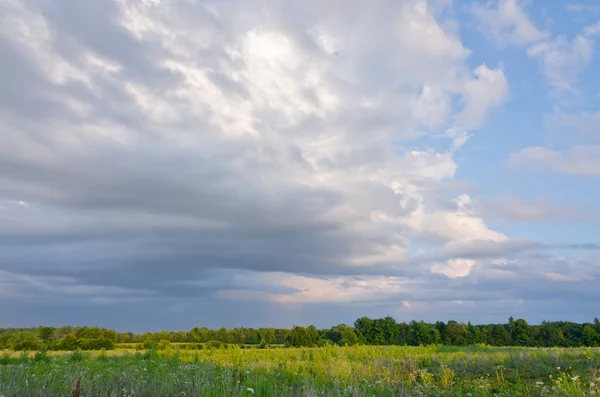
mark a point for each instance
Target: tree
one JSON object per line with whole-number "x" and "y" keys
{"x": 437, "y": 337}
{"x": 342, "y": 335}
{"x": 69, "y": 342}
{"x": 521, "y": 336}
{"x": 267, "y": 335}
{"x": 364, "y": 327}
{"x": 223, "y": 335}
{"x": 46, "y": 334}
{"x": 420, "y": 333}
{"x": 590, "y": 336}
{"x": 456, "y": 333}
{"x": 25, "y": 341}
{"x": 348, "y": 337}
{"x": 301, "y": 336}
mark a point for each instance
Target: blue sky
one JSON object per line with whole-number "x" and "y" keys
{"x": 172, "y": 163}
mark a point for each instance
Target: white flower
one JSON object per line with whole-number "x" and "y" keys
{"x": 251, "y": 390}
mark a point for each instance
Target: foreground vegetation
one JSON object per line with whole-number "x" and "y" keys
{"x": 366, "y": 331}
{"x": 327, "y": 371}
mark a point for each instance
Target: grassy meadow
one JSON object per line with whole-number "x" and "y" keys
{"x": 325, "y": 371}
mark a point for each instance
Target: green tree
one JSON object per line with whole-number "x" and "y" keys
{"x": 589, "y": 336}
{"x": 342, "y": 335}
{"x": 46, "y": 334}
{"x": 303, "y": 336}
{"x": 267, "y": 335}
{"x": 521, "y": 336}
{"x": 456, "y": 333}
{"x": 25, "y": 341}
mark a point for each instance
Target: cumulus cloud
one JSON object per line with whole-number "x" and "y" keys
{"x": 454, "y": 267}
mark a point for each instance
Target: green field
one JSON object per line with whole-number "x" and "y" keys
{"x": 327, "y": 371}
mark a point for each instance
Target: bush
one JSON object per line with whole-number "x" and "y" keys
{"x": 68, "y": 342}
{"x": 214, "y": 344}
{"x": 163, "y": 345}
{"x": 149, "y": 344}
{"x": 77, "y": 356}
{"x": 96, "y": 344}
{"x": 41, "y": 356}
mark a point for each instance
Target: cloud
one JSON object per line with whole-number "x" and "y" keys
{"x": 233, "y": 162}
{"x": 578, "y": 7}
{"x": 561, "y": 60}
{"x": 593, "y": 30}
{"x": 515, "y": 208}
{"x": 507, "y": 23}
{"x": 577, "y": 160}
{"x": 488, "y": 90}
{"x": 305, "y": 289}
{"x": 24, "y": 286}
{"x": 454, "y": 268}
{"x": 584, "y": 126}
{"x": 451, "y": 226}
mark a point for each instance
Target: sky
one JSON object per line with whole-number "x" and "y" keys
{"x": 166, "y": 164}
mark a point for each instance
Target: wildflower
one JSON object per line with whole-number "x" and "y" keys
{"x": 251, "y": 390}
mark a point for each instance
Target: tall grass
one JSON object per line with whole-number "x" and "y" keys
{"x": 327, "y": 371}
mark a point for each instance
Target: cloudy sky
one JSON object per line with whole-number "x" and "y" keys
{"x": 172, "y": 163}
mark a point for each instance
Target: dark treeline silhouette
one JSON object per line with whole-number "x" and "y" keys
{"x": 366, "y": 331}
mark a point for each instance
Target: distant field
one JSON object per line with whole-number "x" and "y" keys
{"x": 327, "y": 371}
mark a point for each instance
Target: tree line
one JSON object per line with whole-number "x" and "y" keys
{"x": 366, "y": 331}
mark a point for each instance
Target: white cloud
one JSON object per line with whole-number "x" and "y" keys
{"x": 584, "y": 123}
{"x": 515, "y": 208}
{"x": 578, "y": 7}
{"x": 460, "y": 225}
{"x": 577, "y": 160}
{"x": 593, "y": 30}
{"x": 30, "y": 31}
{"x": 562, "y": 60}
{"x": 508, "y": 23}
{"x": 303, "y": 289}
{"x": 454, "y": 268}
{"x": 486, "y": 91}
